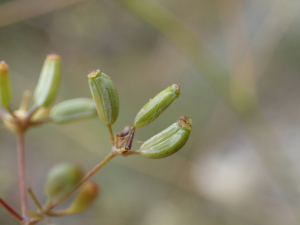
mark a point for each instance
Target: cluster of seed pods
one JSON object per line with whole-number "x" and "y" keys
{"x": 162, "y": 144}
{"x": 64, "y": 178}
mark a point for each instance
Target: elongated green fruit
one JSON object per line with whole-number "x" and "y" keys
{"x": 156, "y": 106}
{"x": 74, "y": 109}
{"x": 105, "y": 96}
{"x": 48, "y": 84}
{"x": 87, "y": 194}
{"x": 61, "y": 180}
{"x": 5, "y": 89}
{"x": 168, "y": 141}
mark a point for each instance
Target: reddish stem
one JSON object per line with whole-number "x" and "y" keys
{"x": 87, "y": 176}
{"x": 130, "y": 139}
{"x": 10, "y": 210}
{"x": 21, "y": 163}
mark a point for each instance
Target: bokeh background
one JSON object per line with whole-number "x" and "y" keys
{"x": 238, "y": 65}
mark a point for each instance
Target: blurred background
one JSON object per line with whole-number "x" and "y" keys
{"x": 238, "y": 65}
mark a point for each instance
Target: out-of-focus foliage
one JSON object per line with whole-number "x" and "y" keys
{"x": 235, "y": 169}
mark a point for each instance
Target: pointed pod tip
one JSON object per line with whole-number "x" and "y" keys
{"x": 3, "y": 66}
{"x": 176, "y": 88}
{"x": 53, "y": 56}
{"x": 185, "y": 122}
{"x": 94, "y": 73}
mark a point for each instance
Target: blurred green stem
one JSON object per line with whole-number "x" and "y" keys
{"x": 112, "y": 137}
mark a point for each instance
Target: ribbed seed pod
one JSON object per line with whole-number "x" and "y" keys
{"x": 48, "y": 84}
{"x": 84, "y": 198}
{"x": 74, "y": 109}
{"x": 105, "y": 96}
{"x": 5, "y": 89}
{"x": 61, "y": 180}
{"x": 156, "y": 106}
{"x": 168, "y": 141}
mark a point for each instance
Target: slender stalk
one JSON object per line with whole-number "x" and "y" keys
{"x": 21, "y": 164}
{"x": 10, "y": 111}
{"x": 31, "y": 111}
{"x": 10, "y": 210}
{"x": 88, "y": 175}
{"x": 34, "y": 198}
{"x": 58, "y": 213}
{"x": 117, "y": 141}
{"x": 25, "y": 100}
{"x": 112, "y": 137}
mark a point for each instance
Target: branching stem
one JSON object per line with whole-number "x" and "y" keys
{"x": 112, "y": 137}
{"x": 88, "y": 175}
{"x": 10, "y": 111}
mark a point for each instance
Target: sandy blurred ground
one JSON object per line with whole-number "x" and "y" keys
{"x": 239, "y": 74}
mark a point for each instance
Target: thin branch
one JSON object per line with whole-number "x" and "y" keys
{"x": 34, "y": 198}
{"x": 10, "y": 210}
{"x": 25, "y": 100}
{"x": 10, "y": 111}
{"x": 112, "y": 137}
{"x": 88, "y": 175}
{"x": 31, "y": 111}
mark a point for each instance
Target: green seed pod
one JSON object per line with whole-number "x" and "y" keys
{"x": 156, "y": 106}
{"x": 5, "y": 89}
{"x": 61, "y": 180}
{"x": 84, "y": 198}
{"x": 74, "y": 109}
{"x": 48, "y": 84}
{"x": 168, "y": 141}
{"x": 105, "y": 96}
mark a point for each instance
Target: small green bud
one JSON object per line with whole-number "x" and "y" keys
{"x": 105, "y": 96}
{"x": 84, "y": 198}
{"x": 156, "y": 106}
{"x": 168, "y": 141}
{"x": 61, "y": 180}
{"x": 74, "y": 109}
{"x": 48, "y": 84}
{"x": 5, "y": 89}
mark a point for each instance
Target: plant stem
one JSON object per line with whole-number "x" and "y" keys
{"x": 21, "y": 164}
{"x": 10, "y": 111}
{"x": 25, "y": 100}
{"x": 88, "y": 175}
{"x": 10, "y": 210}
{"x": 34, "y": 198}
{"x": 112, "y": 137}
{"x": 31, "y": 111}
